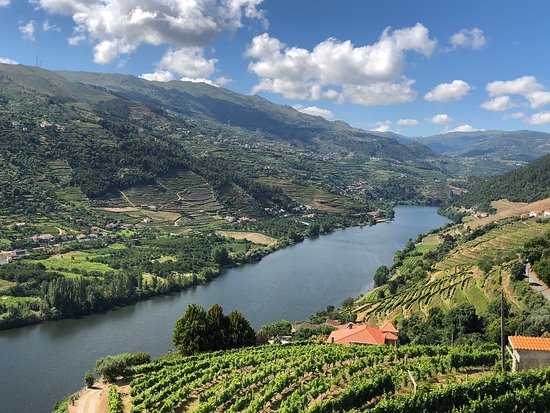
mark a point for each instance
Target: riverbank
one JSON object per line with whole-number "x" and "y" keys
{"x": 83, "y": 279}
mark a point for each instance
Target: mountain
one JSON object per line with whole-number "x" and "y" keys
{"x": 526, "y": 184}
{"x": 253, "y": 113}
{"x": 76, "y": 139}
{"x": 515, "y": 146}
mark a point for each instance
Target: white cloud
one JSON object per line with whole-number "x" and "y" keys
{"x": 520, "y": 86}
{"x": 28, "y": 30}
{"x": 515, "y": 115}
{"x": 7, "y": 61}
{"x": 315, "y": 111}
{"x": 470, "y": 38}
{"x": 465, "y": 128}
{"x": 367, "y": 75}
{"x": 158, "y": 76}
{"x": 378, "y": 93}
{"x": 118, "y": 27}
{"x": 446, "y": 92}
{"x": 49, "y": 27}
{"x": 188, "y": 61}
{"x": 4, "y": 3}
{"x": 407, "y": 122}
{"x": 538, "y": 118}
{"x": 382, "y": 126}
{"x": 498, "y": 104}
{"x": 538, "y": 99}
{"x": 440, "y": 119}
{"x": 222, "y": 80}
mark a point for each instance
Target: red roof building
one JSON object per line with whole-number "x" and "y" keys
{"x": 348, "y": 334}
{"x": 529, "y": 352}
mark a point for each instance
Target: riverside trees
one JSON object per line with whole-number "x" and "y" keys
{"x": 198, "y": 331}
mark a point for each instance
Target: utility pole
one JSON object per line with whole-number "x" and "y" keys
{"x": 502, "y": 343}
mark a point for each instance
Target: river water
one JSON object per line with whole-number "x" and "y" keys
{"x": 41, "y": 364}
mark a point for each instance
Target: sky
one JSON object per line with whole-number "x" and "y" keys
{"x": 413, "y": 67}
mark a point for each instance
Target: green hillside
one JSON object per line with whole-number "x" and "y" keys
{"x": 79, "y": 139}
{"x": 527, "y": 184}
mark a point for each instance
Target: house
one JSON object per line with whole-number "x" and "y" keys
{"x": 18, "y": 253}
{"x": 529, "y": 352}
{"x": 532, "y": 214}
{"x": 546, "y": 214}
{"x": 348, "y": 334}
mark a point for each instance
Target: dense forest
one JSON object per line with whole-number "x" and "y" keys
{"x": 527, "y": 184}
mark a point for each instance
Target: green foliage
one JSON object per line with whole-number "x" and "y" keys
{"x": 191, "y": 331}
{"x": 527, "y": 184}
{"x": 381, "y": 276}
{"x": 111, "y": 367}
{"x": 310, "y": 377}
{"x": 115, "y": 401}
{"x": 197, "y": 331}
{"x": 276, "y": 329}
{"x": 89, "y": 379}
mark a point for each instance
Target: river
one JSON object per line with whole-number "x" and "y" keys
{"x": 41, "y": 364}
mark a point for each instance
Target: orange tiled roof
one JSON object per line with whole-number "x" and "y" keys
{"x": 390, "y": 336}
{"x": 529, "y": 343}
{"x": 388, "y": 327}
{"x": 358, "y": 333}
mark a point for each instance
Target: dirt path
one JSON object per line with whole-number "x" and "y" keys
{"x": 91, "y": 400}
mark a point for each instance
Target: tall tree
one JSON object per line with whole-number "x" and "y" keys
{"x": 191, "y": 331}
{"x": 241, "y": 334}
{"x": 218, "y": 326}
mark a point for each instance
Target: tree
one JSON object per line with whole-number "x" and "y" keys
{"x": 277, "y": 329}
{"x": 218, "y": 326}
{"x": 220, "y": 256}
{"x": 191, "y": 331}
{"x": 381, "y": 276}
{"x": 89, "y": 379}
{"x": 241, "y": 334}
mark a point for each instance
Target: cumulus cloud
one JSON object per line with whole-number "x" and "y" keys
{"x": 539, "y": 118}
{"x": 446, "y": 92}
{"x": 407, "y": 122}
{"x": 27, "y": 30}
{"x": 315, "y": 111}
{"x": 526, "y": 86}
{"x": 498, "y": 104}
{"x": 538, "y": 99}
{"x": 465, "y": 128}
{"x": 440, "y": 119}
{"x": 4, "y": 3}
{"x": 368, "y": 75}
{"x": 7, "y": 61}
{"x": 520, "y": 86}
{"x": 118, "y": 27}
{"x": 188, "y": 61}
{"x": 222, "y": 80}
{"x": 382, "y": 126}
{"x": 469, "y": 38}
{"x": 158, "y": 76}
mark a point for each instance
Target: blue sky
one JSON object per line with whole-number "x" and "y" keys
{"x": 416, "y": 68}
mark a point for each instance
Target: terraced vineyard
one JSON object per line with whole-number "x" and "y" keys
{"x": 307, "y": 377}
{"x": 454, "y": 279}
